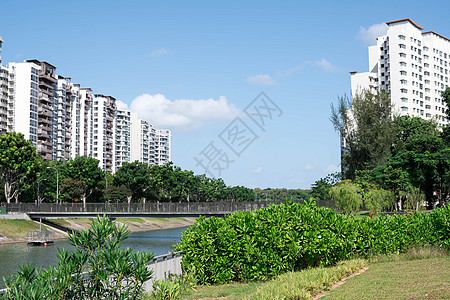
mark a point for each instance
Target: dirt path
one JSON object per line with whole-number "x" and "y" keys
{"x": 339, "y": 283}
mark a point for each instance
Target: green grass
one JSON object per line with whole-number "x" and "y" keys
{"x": 159, "y": 220}
{"x": 229, "y": 291}
{"x": 403, "y": 279}
{"x": 423, "y": 272}
{"x": 291, "y": 285}
{"x": 62, "y": 222}
{"x": 136, "y": 220}
{"x": 307, "y": 283}
{"x": 17, "y": 228}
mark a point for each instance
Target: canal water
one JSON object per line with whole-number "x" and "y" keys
{"x": 14, "y": 255}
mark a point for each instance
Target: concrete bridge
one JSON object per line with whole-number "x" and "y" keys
{"x": 135, "y": 210}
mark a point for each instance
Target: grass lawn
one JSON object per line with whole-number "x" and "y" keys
{"x": 413, "y": 279}
{"x": 17, "y": 228}
{"x": 230, "y": 291}
{"x": 61, "y": 222}
{"x": 291, "y": 285}
{"x": 422, "y": 273}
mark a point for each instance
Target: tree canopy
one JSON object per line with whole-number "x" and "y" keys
{"x": 19, "y": 164}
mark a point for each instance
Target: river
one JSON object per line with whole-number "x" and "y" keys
{"x": 14, "y": 255}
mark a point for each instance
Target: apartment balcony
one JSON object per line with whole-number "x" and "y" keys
{"x": 41, "y": 149}
{"x": 46, "y": 156}
{"x": 46, "y": 76}
{"x": 43, "y": 134}
{"x": 44, "y": 84}
{"x": 44, "y": 113}
{"x": 44, "y": 121}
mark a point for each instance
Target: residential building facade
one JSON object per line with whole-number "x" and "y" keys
{"x": 64, "y": 120}
{"x": 123, "y": 137}
{"x": 104, "y": 131}
{"x": 413, "y": 65}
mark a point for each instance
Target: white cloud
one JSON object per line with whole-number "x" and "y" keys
{"x": 311, "y": 166}
{"x": 369, "y": 35}
{"x": 258, "y": 170}
{"x": 290, "y": 71}
{"x": 332, "y": 169}
{"x": 160, "y": 52}
{"x": 325, "y": 65}
{"x": 121, "y": 105}
{"x": 262, "y": 79}
{"x": 182, "y": 113}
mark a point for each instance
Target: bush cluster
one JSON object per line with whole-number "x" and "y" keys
{"x": 258, "y": 245}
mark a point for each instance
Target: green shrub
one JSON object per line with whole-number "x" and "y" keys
{"x": 347, "y": 196}
{"x": 258, "y": 245}
{"x": 378, "y": 200}
{"x": 166, "y": 290}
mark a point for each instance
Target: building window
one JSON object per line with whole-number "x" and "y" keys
{"x": 403, "y": 73}
{"x": 402, "y": 46}
{"x": 404, "y": 99}
{"x": 404, "y": 108}
{"x": 404, "y": 91}
{"x": 402, "y": 37}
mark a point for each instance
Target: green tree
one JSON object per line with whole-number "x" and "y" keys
{"x": 97, "y": 269}
{"x": 413, "y": 198}
{"x": 72, "y": 189}
{"x": 118, "y": 194}
{"x": 366, "y": 128}
{"x": 321, "y": 187}
{"x": 378, "y": 200}
{"x": 136, "y": 177}
{"x": 346, "y": 196}
{"x": 84, "y": 169}
{"x": 19, "y": 164}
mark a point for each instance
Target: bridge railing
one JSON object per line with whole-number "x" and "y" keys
{"x": 162, "y": 207}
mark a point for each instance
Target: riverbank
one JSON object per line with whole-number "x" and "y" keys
{"x": 15, "y": 230}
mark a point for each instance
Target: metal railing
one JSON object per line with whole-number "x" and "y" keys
{"x": 162, "y": 207}
{"x": 163, "y": 266}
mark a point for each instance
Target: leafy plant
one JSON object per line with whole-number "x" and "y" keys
{"x": 346, "y": 196}
{"x": 379, "y": 199}
{"x": 258, "y": 245}
{"x": 97, "y": 269}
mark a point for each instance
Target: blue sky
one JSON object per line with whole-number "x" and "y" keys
{"x": 193, "y": 66}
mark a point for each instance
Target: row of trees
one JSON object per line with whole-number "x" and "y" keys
{"x": 25, "y": 176}
{"x": 405, "y": 155}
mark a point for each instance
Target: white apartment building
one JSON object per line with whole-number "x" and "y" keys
{"x": 123, "y": 137}
{"x": 7, "y": 87}
{"x": 25, "y": 109}
{"x": 67, "y": 107}
{"x": 148, "y": 144}
{"x": 162, "y": 146}
{"x": 104, "y": 131}
{"x": 141, "y": 139}
{"x": 64, "y": 120}
{"x": 413, "y": 65}
{"x": 85, "y": 126}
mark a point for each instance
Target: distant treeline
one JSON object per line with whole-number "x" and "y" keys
{"x": 25, "y": 177}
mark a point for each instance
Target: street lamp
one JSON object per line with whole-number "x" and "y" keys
{"x": 57, "y": 180}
